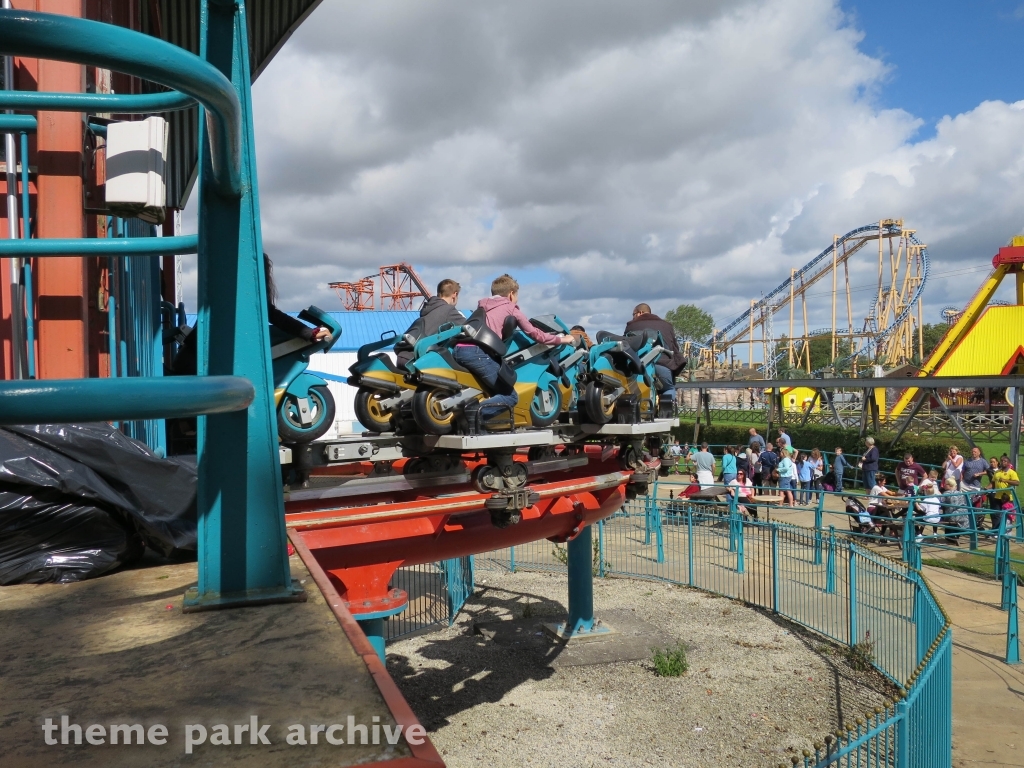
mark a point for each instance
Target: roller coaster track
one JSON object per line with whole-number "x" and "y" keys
{"x": 817, "y": 268}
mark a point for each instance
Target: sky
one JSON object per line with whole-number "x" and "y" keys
{"x": 608, "y": 153}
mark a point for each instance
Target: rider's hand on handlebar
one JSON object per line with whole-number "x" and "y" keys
{"x": 321, "y": 333}
{"x": 568, "y": 338}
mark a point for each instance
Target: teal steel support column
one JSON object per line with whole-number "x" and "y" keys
{"x": 372, "y": 625}
{"x": 374, "y": 631}
{"x": 1012, "y": 630}
{"x": 581, "y": 582}
{"x": 243, "y": 557}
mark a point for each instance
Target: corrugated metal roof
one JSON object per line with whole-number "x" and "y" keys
{"x": 270, "y": 24}
{"x": 359, "y": 328}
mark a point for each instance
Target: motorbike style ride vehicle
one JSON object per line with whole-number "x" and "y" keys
{"x": 543, "y": 375}
{"x": 620, "y": 377}
{"x": 305, "y": 406}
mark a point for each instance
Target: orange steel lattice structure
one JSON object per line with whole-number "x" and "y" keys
{"x": 355, "y": 296}
{"x": 400, "y": 286}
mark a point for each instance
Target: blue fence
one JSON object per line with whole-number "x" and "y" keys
{"x": 829, "y": 584}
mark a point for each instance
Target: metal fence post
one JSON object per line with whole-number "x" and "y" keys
{"x": 659, "y": 531}
{"x": 647, "y": 520}
{"x": 775, "y": 567}
{"x": 512, "y": 559}
{"x": 1012, "y": 633}
{"x": 600, "y": 548}
{"x": 852, "y": 580}
{"x": 923, "y": 642}
{"x": 689, "y": 546}
{"x": 818, "y": 513}
{"x": 909, "y": 533}
{"x": 1007, "y": 575}
{"x": 736, "y": 523}
{"x": 1002, "y": 548}
{"x": 830, "y": 564}
{"x": 903, "y": 734}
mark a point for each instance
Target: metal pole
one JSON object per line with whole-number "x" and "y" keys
{"x": 17, "y": 301}
{"x": 1012, "y": 630}
{"x": 581, "y": 583}
{"x": 26, "y": 233}
{"x": 835, "y": 247}
{"x": 1018, "y": 408}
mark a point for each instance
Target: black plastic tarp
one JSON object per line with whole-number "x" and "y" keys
{"x": 79, "y": 500}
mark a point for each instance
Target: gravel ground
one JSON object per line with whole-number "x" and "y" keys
{"x": 758, "y": 689}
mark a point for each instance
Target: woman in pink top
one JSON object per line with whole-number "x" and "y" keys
{"x": 501, "y": 304}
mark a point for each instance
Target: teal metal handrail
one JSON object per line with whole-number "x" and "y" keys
{"x": 11, "y": 123}
{"x": 84, "y": 400}
{"x": 63, "y": 38}
{"x": 114, "y": 246}
{"x": 106, "y": 103}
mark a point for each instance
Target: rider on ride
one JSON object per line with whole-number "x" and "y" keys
{"x": 435, "y": 312}
{"x": 501, "y": 304}
{"x": 671, "y": 360}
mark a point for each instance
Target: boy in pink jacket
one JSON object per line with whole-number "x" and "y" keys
{"x": 501, "y": 304}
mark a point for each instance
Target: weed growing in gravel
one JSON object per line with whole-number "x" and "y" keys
{"x": 862, "y": 654}
{"x": 528, "y": 610}
{"x": 671, "y": 662}
{"x": 561, "y": 554}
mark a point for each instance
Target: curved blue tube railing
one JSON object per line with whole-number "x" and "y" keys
{"x": 119, "y": 246}
{"x": 113, "y": 103}
{"x": 51, "y": 401}
{"x": 62, "y": 38}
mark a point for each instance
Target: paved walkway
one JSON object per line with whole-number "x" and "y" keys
{"x": 988, "y": 694}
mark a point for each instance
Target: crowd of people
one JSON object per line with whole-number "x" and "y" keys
{"x": 951, "y": 496}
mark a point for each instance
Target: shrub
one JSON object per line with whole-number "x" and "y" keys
{"x": 671, "y": 661}
{"x": 862, "y": 655}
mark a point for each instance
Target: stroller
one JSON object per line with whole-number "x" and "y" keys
{"x": 860, "y": 518}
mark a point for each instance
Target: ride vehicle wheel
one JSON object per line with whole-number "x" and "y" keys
{"x": 289, "y": 421}
{"x": 546, "y": 405}
{"x": 597, "y": 411}
{"x": 488, "y": 479}
{"x": 370, "y": 414}
{"x": 426, "y": 411}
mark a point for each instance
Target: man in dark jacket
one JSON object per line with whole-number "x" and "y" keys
{"x": 435, "y": 312}
{"x": 671, "y": 361}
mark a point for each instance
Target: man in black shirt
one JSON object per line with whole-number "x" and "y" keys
{"x": 671, "y": 361}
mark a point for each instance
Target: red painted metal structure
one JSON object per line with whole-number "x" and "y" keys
{"x": 360, "y": 547}
{"x": 400, "y": 286}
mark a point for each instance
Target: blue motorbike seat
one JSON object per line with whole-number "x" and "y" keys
{"x": 388, "y": 362}
{"x": 603, "y": 336}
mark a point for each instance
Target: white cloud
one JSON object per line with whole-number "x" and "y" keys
{"x": 656, "y": 151}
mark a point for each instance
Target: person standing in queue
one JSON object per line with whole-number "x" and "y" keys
{"x": 869, "y": 462}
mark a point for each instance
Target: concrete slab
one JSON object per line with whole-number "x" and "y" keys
{"x": 119, "y": 650}
{"x": 633, "y": 640}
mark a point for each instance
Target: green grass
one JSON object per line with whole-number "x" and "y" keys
{"x": 671, "y": 661}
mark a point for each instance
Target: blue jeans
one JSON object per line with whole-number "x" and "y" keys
{"x": 664, "y": 377}
{"x": 869, "y": 479}
{"x": 839, "y": 482}
{"x": 483, "y": 366}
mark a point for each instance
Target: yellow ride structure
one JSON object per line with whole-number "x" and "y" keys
{"x": 986, "y": 339}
